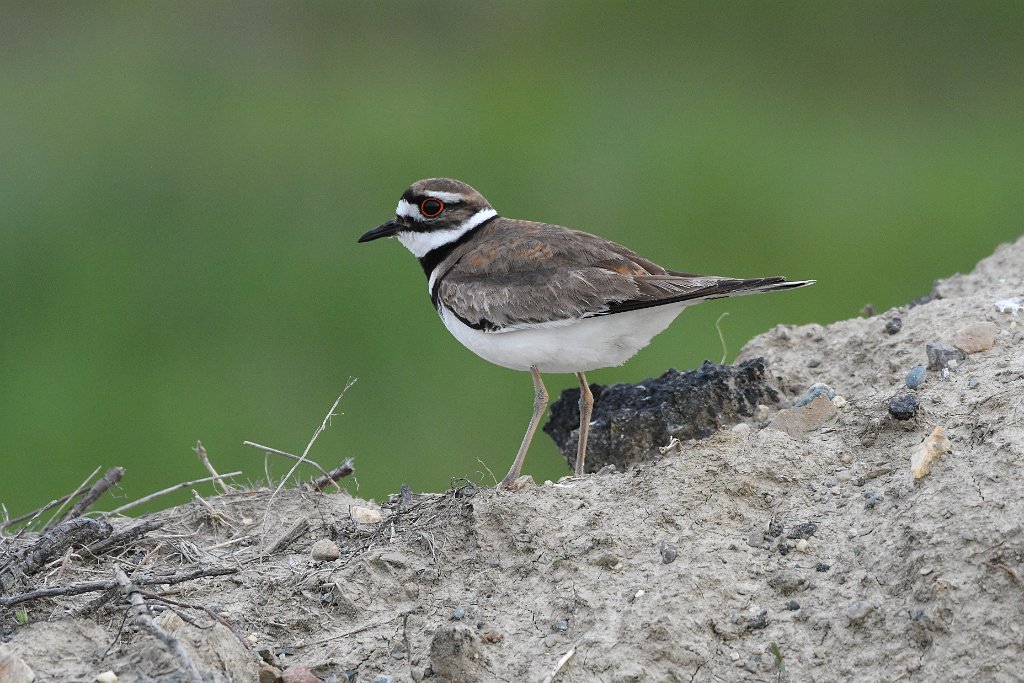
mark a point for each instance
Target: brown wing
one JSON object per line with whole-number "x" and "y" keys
{"x": 530, "y": 274}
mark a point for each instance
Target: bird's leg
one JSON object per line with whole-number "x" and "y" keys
{"x": 586, "y": 407}
{"x": 540, "y": 404}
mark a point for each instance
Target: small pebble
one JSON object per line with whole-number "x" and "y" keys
{"x": 384, "y": 679}
{"x": 816, "y": 390}
{"x": 755, "y": 538}
{"x": 814, "y": 362}
{"x": 560, "y": 625}
{"x": 761, "y": 412}
{"x": 669, "y": 552}
{"x": 802, "y": 545}
{"x": 844, "y": 476}
{"x": 925, "y": 571}
{"x": 792, "y": 605}
{"x": 904, "y": 407}
{"x": 106, "y": 677}
{"x": 975, "y": 338}
{"x": 822, "y": 567}
{"x": 893, "y": 326}
{"x": 916, "y": 377}
{"x": 741, "y": 428}
{"x": 858, "y": 611}
{"x": 325, "y": 551}
{"x": 839, "y": 402}
{"x": 362, "y": 515}
{"x": 973, "y": 382}
{"x": 943, "y": 356}
{"x": 458, "y": 613}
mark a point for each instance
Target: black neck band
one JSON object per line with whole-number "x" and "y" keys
{"x": 433, "y": 258}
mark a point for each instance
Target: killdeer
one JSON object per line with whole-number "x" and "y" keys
{"x": 542, "y": 298}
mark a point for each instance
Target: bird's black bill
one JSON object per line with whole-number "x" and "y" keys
{"x": 386, "y": 230}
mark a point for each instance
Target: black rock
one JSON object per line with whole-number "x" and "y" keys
{"x": 931, "y": 296}
{"x": 893, "y": 326}
{"x": 822, "y": 567}
{"x": 792, "y": 605}
{"x": 904, "y": 407}
{"x": 631, "y": 421}
{"x": 805, "y": 530}
{"x": 942, "y": 356}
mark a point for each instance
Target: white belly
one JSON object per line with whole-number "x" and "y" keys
{"x": 579, "y": 346}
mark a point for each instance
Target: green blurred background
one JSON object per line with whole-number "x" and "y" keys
{"x": 182, "y": 186}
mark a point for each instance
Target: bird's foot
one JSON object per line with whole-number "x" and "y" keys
{"x": 517, "y": 483}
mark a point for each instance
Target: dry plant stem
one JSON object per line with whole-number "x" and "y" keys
{"x": 172, "y": 489}
{"x": 561, "y": 663}
{"x": 93, "y": 586}
{"x": 94, "y": 493}
{"x": 302, "y": 458}
{"x": 284, "y": 454}
{"x": 205, "y": 459}
{"x": 145, "y": 621}
{"x": 331, "y": 478}
{"x": 56, "y": 517}
{"x": 79, "y": 531}
{"x": 289, "y": 537}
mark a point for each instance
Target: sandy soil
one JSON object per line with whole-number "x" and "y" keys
{"x": 793, "y": 547}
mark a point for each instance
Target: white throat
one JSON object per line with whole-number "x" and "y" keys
{"x": 422, "y": 243}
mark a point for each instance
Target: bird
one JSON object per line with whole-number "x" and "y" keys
{"x": 543, "y": 298}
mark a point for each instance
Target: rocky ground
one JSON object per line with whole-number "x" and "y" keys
{"x": 792, "y": 545}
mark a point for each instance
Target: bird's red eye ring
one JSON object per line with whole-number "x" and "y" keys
{"x": 431, "y": 206}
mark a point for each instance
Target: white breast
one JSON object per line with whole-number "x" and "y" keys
{"x": 577, "y": 346}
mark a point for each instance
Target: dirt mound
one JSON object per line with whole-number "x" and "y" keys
{"x": 794, "y": 546}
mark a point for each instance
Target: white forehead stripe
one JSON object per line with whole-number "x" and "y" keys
{"x": 422, "y": 243}
{"x": 450, "y": 197}
{"x": 408, "y": 210}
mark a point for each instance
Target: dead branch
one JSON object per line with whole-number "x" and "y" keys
{"x": 340, "y": 472}
{"x": 205, "y": 459}
{"x": 94, "y": 493}
{"x": 285, "y": 454}
{"x": 124, "y": 536}
{"x": 93, "y": 586}
{"x": 77, "y": 492}
{"x": 145, "y": 621}
{"x": 79, "y": 531}
{"x": 289, "y": 537}
{"x": 172, "y": 489}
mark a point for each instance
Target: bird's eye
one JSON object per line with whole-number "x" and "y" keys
{"x": 431, "y": 207}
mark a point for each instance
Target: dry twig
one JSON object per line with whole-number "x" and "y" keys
{"x": 302, "y": 458}
{"x": 330, "y": 478}
{"x": 144, "y": 620}
{"x": 561, "y": 663}
{"x": 93, "y": 586}
{"x": 300, "y": 527}
{"x": 172, "y": 489}
{"x": 285, "y": 454}
{"x": 205, "y": 459}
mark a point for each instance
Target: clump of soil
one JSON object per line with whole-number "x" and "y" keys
{"x": 793, "y": 547}
{"x": 631, "y": 421}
